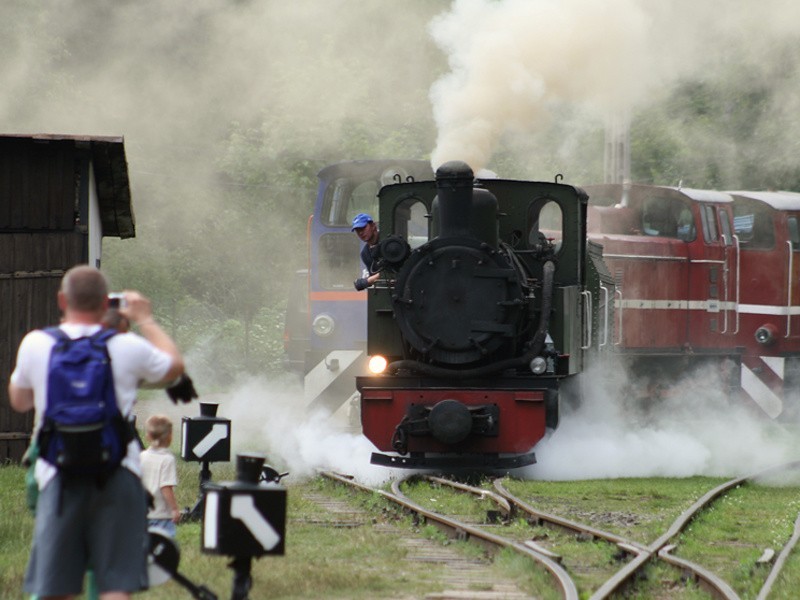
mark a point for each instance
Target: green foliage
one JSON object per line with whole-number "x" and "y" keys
{"x": 734, "y": 128}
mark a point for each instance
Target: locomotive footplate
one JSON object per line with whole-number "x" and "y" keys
{"x": 466, "y": 461}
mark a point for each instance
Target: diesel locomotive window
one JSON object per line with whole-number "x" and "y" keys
{"x": 753, "y": 224}
{"x": 794, "y": 233}
{"x": 364, "y": 199}
{"x": 339, "y": 262}
{"x": 709, "y": 216}
{"x": 411, "y": 222}
{"x": 725, "y": 227}
{"x": 345, "y": 199}
{"x": 667, "y": 217}
{"x": 545, "y": 219}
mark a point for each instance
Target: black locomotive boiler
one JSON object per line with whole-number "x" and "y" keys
{"x": 490, "y": 299}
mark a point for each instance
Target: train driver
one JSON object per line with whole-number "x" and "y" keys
{"x": 367, "y": 231}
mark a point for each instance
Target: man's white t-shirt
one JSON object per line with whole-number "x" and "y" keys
{"x": 133, "y": 360}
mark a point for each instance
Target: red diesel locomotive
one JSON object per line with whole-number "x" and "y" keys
{"x": 704, "y": 278}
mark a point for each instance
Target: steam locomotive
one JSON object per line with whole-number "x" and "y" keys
{"x": 669, "y": 280}
{"x": 490, "y": 303}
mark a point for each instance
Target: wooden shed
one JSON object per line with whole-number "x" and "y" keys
{"x": 59, "y": 196}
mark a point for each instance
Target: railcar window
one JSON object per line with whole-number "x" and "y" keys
{"x": 709, "y": 215}
{"x": 411, "y": 221}
{"x": 364, "y": 200}
{"x": 794, "y": 233}
{"x": 545, "y": 218}
{"x": 687, "y": 230}
{"x": 339, "y": 261}
{"x": 346, "y": 198}
{"x": 664, "y": 217}
{"x": 335, "y": 205}
{"x": 753, "y": 224}
{"x": 725, "y": 226}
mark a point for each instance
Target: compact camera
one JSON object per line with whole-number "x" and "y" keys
{"x": 116, "y": 300}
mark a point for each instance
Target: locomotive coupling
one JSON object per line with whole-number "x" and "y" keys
{"x": 448, "y": 421}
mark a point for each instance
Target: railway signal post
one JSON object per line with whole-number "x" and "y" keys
{"x": 244, "y": 519}
{"x": 205, "y": 439}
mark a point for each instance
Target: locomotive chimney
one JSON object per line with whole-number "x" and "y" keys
{"x": 454, "y": 181}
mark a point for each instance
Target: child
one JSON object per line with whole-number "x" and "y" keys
{"x": 159, "y": 475}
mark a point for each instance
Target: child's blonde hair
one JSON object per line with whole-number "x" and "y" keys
{"x": 158, "y": 428}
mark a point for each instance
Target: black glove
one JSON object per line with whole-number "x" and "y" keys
{"x": 182, "y": 389}
{"x": 361, "y": 284}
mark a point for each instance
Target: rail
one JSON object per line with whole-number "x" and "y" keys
{"x": 566, "y": 585}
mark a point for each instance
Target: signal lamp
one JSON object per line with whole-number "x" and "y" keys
{"x": 323, "y": 325}
{"x": 377, "y": 364}
{"x": 766, "y": 334}
{"x": 538, "y": 365}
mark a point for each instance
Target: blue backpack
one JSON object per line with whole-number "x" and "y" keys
{"x": 83, "y": 432}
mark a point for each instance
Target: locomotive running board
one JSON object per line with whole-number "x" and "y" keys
{"x": 474, "y": 461}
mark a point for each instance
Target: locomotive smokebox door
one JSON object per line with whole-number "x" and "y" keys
{"x": 206, "y": 438}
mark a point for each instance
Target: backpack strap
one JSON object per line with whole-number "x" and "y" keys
{"x": 56, "y": 332}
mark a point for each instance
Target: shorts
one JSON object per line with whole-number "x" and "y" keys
{"x": 102, "y": 528}
{"x": 166, "y": 525}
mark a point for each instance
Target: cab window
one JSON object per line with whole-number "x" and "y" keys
{"x": 364, "y": 199}
{"x": 411, "y": 222}
{"x": 345, "y": 199}
{"x": 545, "y": 220}
{"x": 725, "y": 226}
{"x": 339, "y": 263}
{"x": 794, "y": 232}
{"x": 709, "y": 217}
{"x": 667, "y": 217}
{"x": 753, "y": 224}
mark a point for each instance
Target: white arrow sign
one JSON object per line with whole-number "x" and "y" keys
{"x": 244, "y": 509}
{"x": 219, "y": 431}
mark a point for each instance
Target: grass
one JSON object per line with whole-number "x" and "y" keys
{"x": 731, "y": 536}
{"x": 638, "y": 509}
{"x": 319, "y": 560}
{"x": 321, "y": 554}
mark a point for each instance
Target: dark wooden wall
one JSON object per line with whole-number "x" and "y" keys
{"x": 40, "y": 238}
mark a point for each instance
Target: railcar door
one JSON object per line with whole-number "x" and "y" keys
{"x": 766, "y": 267}
{"x": 792, "y": 241}
{"x": 711, "y": 281}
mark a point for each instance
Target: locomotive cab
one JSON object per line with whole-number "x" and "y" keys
{"x": 478, "y": 322}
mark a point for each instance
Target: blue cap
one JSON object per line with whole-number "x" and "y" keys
{"x": 360, "y": 220}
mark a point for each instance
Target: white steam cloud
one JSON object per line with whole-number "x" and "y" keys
{"x": 514, "y": 63}
{"x": 696, "y": 428}
{"x": 512, "y": 60}
{"x": 269, "y": 417}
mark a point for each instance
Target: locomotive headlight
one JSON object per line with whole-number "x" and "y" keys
{"x": 538, "y": 365}
{"x": 377, "y": 364}
{"x": 323, "y": 325}
{"x": 766, "y": 334}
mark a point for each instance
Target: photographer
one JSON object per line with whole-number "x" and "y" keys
{"x": 367, "y": 231}
{"x": 87, "y": 520}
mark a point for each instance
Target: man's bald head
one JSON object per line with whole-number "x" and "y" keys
{"x": 85, "y": 289}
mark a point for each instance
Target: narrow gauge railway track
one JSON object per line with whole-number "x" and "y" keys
{"x": 461, "y": 530}
{"x": 661, "y": 547}
{"x": 641, "y": 554}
